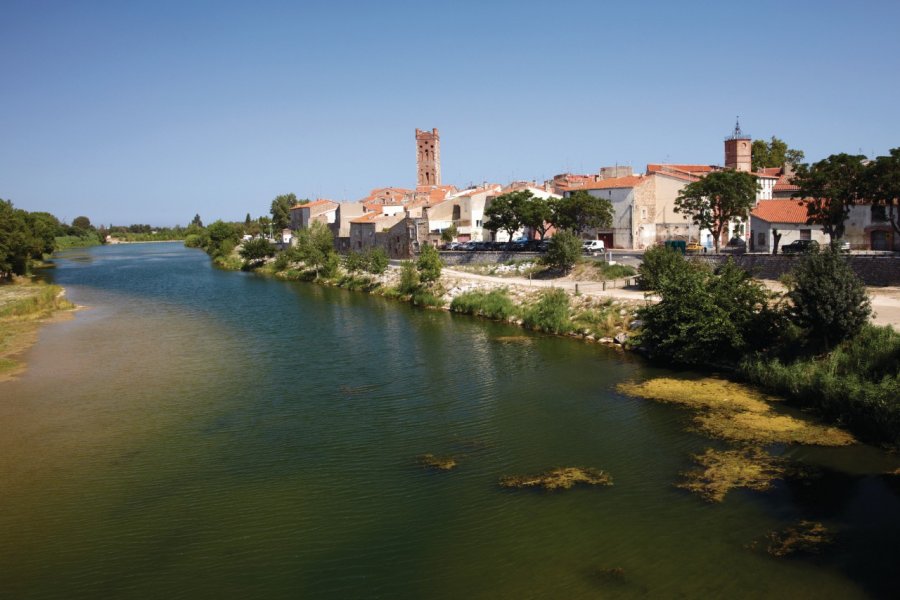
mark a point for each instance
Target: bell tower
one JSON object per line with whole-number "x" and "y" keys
{"x": 428, "y": 157}
{"x": 738, "y": 150}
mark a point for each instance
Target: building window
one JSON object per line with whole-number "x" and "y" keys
{"x": 478, "y": 223}
{"x": 761, "y": 239}
{"x": 879, "y": 213}
{"x": 805, "y": 234}
{"x": 643, "y": 212}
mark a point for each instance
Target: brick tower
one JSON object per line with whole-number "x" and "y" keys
{"x": 737, "y": 150}
{"x": 428, "y": 157}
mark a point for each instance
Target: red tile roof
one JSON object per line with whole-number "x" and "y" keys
{"x": 653, "y": 168}
{"x": 770, "y": 171}
{"x": 629, "y": 181}
{"x": 367, "y": 218}
{"x": 315, "y": 204}
{"x": 781, "y": 211}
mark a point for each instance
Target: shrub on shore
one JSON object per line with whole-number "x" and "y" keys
{"x": 659, "y": 264}
{"x": 550, "y": 313}
{"x": 494, "y": 304}
{"x": 564, "y": 251}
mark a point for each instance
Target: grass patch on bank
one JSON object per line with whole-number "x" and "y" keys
{"x": 493, "y": 304}
{"x": 22, "y": 306}
{"x": 550, "y": 313}
{"x": 856, "y": 384}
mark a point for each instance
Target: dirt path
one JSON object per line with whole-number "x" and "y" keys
{"x": 885, "y": 301}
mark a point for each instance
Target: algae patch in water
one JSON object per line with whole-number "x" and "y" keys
{"x": 806, "y": 536}
{"x": 736, "y": 412}
{"x": 724, "y": 470}
{"x": 558, "y": 479}
{"x": 438, "y": 463}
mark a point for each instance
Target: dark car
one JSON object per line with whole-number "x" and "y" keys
{"x": 800, "y": 247}
{"x": 735, "y": 246}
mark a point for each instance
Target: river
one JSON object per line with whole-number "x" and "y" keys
{"x": 196, "y": 433}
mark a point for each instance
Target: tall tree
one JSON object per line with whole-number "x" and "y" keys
{"x": 81, "y": 223}
{"x": 196, "y": 222}
{"x": 717, "y": 199}
{"x": 581, "y": 211}
{"x": 504, "y": 213}
{"x": 281, "y": 210}
{"x": 773, "y": 153}
{"x": 833, "y": 186}
{"x": 882, "y": 185}
{"x": 535, "y": 213}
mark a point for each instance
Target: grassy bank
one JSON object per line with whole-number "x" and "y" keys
{"x": 24, "y": 305}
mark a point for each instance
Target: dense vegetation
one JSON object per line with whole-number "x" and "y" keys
{"x": 813, "y": 345}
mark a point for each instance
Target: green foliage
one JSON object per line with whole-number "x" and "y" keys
{"x": 429, "y": 264}
{"x": 376, "y": 261}
{"x": 706, "y": 318}
{"x": 504, "y": 212}
{"x": 282, "y": 261}
{"x": 617, "y": 271}
{"x": 550, "y": 313}
{"x": 196, "y": 240}
{"x": 354, "y": 262}
{"x": 564, "y": 251}
{"x": 256, "y": 249}
{"x": 495, "y": 304}
{"x": 834, "y": 185}
{"x": 81, "y": 223}
{"x": 425, "y": 297}
{"x": 281, "y": 210}
{"x": 660, "y": 263}
{"x": 828, "y": 300}
{"x": 315, "y": 247}
{"x": 882, "y": 185}
{"x": 26, "y": 237}
{"x": 774, "y": 153}
{"x": 223, "y": 237}
{"x": 717, "y": 199}
{"x": 857, "y": 384}
{"x": 536, "y": 214}
{"x": 449, "y": 234}
{"x": 409, "y": 278}
{"x": 197, "y": 222}
{"x": 581, "y": 211}
{"x": 65, "y": 242}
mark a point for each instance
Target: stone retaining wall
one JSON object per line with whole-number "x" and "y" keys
{"x": 872, "y": 269}
{"x": 453, "y": 258}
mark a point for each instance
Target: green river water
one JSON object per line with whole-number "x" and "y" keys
{"x": 194, "y": 433}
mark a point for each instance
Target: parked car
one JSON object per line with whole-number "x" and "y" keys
{"x": 593, "y": 246}
{"x": 734, "y": 246}
{"x": 800, "y": 247}
{"x": 693, "y": 248}
{"x": 842, "y": 246}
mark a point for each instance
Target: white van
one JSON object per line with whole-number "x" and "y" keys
{"x": 593, "y": 246}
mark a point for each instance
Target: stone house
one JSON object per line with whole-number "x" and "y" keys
{"x": 324, "y": 211}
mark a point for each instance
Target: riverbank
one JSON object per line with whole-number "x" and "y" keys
{"x": 24, "y": 306}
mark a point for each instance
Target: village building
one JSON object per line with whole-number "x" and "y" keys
{"x": 428, "y": 157}
{"x": 324, "y": 211}
{"x": 781, "y": 221}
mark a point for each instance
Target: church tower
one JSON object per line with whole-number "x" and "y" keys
{"x": 428, "y": 157}
{"x": 737, "y": 150}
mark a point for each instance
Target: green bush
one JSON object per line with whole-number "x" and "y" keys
{"x": 256, "y": 249}
{"x": 706, "y": 318}
{"x": 425, "y": 297}
{"x": 659, "y": 263}
{"x": 828, "y": 300}
{"x": 354, "y": 262}
{"x": 282, "y": 261}
{"x": 550, "y": 313}
{"x": 495, "y": 304}
{"x": 194, "y": 240}
{"x": 429, "y": 264}
{"x": 376, "y": 261}
{"x": 409, "y": 278}
{"x": 564, "y": 251}
{"x": 608, "y": 271}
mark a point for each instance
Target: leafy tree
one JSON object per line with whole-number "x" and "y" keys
{"x": 196, "y": 221}
{"x": 315, "y": 247}
{"x": 247, "y": 221}
{"x": 658, "y": 264}
{"x": 449, "y": 233}
{"x": 15, "y": 242}
{"x": 833, "y": 186}
{"x": 376, "y": 261}
{"x": 581, "y": 211}
{"x": 882, "y": 185}
{"x": 223, "y": 237}
{"x": 774, "y": 153}
{"x": 827, "y": 299}
{"x": 717, "y": 199}
{"x": 564, "y": 250}
{"x": 504, "y": 213}
{"x": 82, "y": 223}
{"x": 281, "y": 210}
{"x": 44, "y": 230}
{"x": 536, "y": 214}
{"x": 429, "y": 264}
{"x": 705, "y": 317}
{"x": 256, "y": 249}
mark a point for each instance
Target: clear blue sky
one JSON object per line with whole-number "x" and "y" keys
{"x": 149, "y": 112}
